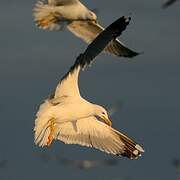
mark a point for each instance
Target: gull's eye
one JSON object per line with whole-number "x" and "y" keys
{"x": 103, "y": 113}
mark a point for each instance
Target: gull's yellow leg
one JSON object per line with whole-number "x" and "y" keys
{"x": 52, "y": 129}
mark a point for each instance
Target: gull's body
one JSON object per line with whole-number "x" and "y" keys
{"x": 68, "y": 117}
{"x": 56, "y": 14}
{"x": 66, "y": 109}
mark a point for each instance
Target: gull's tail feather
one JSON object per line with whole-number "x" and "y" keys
{"x": 46, "y": 17}
{"x": 42, "y": 124}
{"x": 131, "y": 149}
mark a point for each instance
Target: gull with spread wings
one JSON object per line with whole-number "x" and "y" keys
{"x": 56, "y": 14}
{"x": 68, "y": 117}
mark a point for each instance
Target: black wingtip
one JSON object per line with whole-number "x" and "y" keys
{"x": 132, "y": 54}
{"x": 121, "y": 23}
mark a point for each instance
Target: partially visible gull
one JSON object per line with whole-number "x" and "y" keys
{"x": 168, "y": 3}
{"x": 70, "y": 118}
{"x": 56, "y": 14}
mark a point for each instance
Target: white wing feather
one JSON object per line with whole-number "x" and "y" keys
{"x": 69, "y": 85}
{"x": 91, "y": 133}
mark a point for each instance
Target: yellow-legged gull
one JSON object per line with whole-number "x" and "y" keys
{"x": 70, "y": 118}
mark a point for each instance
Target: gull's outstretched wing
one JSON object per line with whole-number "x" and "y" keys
{"x": 168, "y": 3}
{"x": 89, "y": 30}
{"x": 98, "y": 135}
{"x": 69, "y": 83}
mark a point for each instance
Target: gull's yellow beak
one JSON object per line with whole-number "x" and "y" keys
{"x": 107, "y": 121}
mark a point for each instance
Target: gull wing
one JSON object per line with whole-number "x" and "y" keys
{"x": 69, "y": 83}
{"x": 97, "y": 135}
{"x": 89, "y": 30}
{"x": 62, "y": 2}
